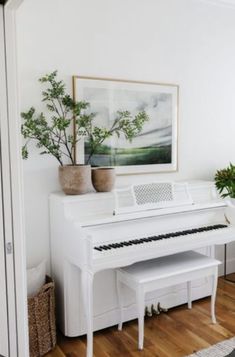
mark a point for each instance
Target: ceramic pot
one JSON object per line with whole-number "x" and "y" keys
{"x": 75, "y": 179}
{"x": 103, "y": 179}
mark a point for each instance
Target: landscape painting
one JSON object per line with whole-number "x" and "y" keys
{"x": 154, "y": 149}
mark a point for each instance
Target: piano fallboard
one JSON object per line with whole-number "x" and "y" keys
{"x": 110, "y": 219}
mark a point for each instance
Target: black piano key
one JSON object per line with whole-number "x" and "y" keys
{"x": 126, "y": 243}
{"x": 167, "y": 235}
{"x": 113, "y": 245}
{"x": 119, "y": 245}
{"x": 159, "y": 237}
{"x": 107, "y": 247}
{"x": 151, "y": 239}
{"x": 174, "y": 235}
{"x": 98, "y": 248}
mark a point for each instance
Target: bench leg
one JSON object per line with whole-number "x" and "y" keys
{"x": 213, "y": 295}
{"x": 189, "y": 288}
{"x": 140, "y": 302}
{"x": 120, "y": 303}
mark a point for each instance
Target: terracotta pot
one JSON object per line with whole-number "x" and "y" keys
{"x": 103, "y": 179}
{"x": 75, "y": 179}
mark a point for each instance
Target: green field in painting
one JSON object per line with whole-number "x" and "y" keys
{"x": 107, "y": 156}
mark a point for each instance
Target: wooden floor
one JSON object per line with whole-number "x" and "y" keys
{"x": 178, "y": 333}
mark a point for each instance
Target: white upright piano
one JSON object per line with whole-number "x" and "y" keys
{"x": 88, "y": 241}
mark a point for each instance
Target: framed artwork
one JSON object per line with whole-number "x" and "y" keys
{"x": 155, "y": 148}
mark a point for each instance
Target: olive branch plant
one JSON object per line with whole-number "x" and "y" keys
{"x": 53, "y": 131}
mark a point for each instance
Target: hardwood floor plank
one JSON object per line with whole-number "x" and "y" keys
{"x": 211, "y": 332}
{"x": 56, "y": 352}
{"x": 175, "y": 331}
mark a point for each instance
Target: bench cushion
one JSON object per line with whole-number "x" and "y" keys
{"x": 168, "y": 266}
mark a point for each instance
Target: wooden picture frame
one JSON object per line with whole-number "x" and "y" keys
{"x": 155, "y": 149}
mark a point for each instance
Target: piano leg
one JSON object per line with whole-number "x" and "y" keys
{"x": 87, "y": 293}
{"x": 189, "y": 290}
{"x": 213, "y": 295}
{"x": 120, "y": 301}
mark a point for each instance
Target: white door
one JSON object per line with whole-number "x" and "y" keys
{"x": 13, "y": 292}
{"x": 4, "y": 351}
{"x": 4, "y": 341}
{"x": 8, "y": 323}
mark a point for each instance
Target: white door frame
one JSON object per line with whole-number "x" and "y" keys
{"x": 4, "y": 341}
{"x": 13, "y": 194}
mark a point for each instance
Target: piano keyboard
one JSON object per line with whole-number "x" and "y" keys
{"x": 134, "y": 242}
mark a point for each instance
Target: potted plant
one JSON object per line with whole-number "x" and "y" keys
{"x": 103, "y": 178}
{"x": 225, "y": 182}
{"x": 52, "y": 133}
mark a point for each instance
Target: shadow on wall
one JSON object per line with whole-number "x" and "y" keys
{"x": 42, "y": 181}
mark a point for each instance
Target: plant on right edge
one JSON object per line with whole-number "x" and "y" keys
{"x": 225, "y": 181}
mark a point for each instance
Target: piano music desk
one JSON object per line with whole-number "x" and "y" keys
{"x": 163, "y": 272}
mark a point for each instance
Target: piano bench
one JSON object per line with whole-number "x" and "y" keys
{"x": 164, "y": 272}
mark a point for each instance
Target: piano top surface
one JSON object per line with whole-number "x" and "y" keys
{"x": 198, "y": 184}
{"x": 99, "y": 206}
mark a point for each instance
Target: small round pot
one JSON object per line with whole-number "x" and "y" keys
{"x": 103, "y": 179}
{"x": 75, "y": 179}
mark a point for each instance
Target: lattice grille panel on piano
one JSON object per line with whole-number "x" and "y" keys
{"x": 153, "y": 192}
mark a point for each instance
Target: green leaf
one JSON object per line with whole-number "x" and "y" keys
{"x": 52, "y": 131}
{"x": 24, "y": 152}
{"x": 225, "y": 181}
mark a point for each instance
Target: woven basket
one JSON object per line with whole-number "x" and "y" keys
{"x": 41, "y": 315}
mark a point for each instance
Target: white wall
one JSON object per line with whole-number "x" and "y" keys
{"x": 187, "y": 42}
